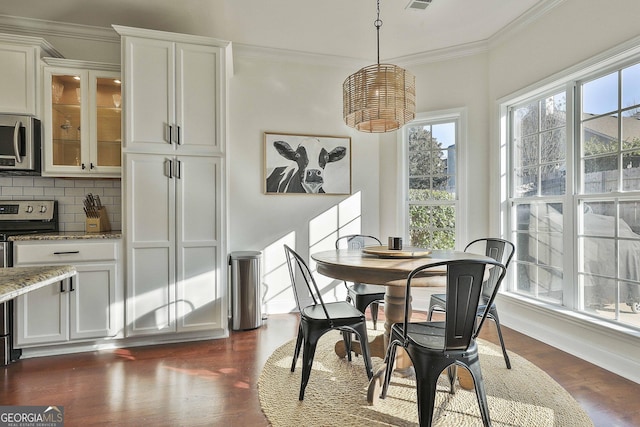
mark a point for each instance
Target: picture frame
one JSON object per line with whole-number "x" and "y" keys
{"x": 306, "y": 164}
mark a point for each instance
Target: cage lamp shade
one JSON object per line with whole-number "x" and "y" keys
{"x": 379, "y": 98}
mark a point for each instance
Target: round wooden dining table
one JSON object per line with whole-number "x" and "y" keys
{"x": 354, "y": 265}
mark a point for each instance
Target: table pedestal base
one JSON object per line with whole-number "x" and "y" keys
{"x": 376, "y": 347}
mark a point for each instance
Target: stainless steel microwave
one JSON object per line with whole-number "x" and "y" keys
{"x": 20, "y": 143}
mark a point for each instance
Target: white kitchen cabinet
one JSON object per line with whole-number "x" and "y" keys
{"x": 20, "y": 73}
{"x": 173, "y": 244}
{"x": 174, "y": 115}
{"x": 174, "y": 92}
{"x": 85, "y": 307}
{"x": 82, "y": 116}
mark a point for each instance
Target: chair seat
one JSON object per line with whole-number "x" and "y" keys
{"x": 364, "y": 289}
{"x": 340, "y": 311}
{"x": 429, "y": 335}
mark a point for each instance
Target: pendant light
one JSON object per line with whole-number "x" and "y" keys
{"x": 380, "y": 97}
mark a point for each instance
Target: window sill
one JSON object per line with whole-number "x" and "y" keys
{"x": 566, "y": 315}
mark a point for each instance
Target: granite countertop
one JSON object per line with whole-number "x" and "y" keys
{"x": 15, "y": 281}
{"x": 68, "y": 235}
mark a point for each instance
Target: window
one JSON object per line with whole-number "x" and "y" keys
{"x": 609, "y": 196}
{"x": 574, "y": 194}
{"x": 431, "y": 196}
{"x": 538, "y": 142}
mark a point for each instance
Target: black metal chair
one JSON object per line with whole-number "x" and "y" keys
{"x": 319, "y": 317}
{"x": 500, "y": 250}
{"x": 436, "y": 346}
{"x": 360, "y": 294}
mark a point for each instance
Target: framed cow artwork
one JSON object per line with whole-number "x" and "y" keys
{"x": 307, "y": 164}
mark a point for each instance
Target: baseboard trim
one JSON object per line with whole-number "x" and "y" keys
{"x": 112, "y": 344}
{"x": 607, "y": 346}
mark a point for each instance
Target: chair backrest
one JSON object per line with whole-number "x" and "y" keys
{"x": 356, "y": 241}
{"x": 464, "y": 290}
{"x": 297, "y": 264}
{"x": 499, "y": 249}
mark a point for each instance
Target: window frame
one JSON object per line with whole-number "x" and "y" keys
{"x": 458, "y": 115}
{"x": 618, "y": 58}
{"x": 510, "y": 200}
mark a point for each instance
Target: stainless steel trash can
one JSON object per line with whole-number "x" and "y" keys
{"x": 246, "y": 294}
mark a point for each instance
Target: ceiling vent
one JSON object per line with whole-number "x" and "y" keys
{"x": 418, "y": 4}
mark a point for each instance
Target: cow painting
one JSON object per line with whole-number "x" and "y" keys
{"x": 307, "y": 164}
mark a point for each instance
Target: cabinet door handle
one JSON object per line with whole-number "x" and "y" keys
{"x": 62, "y": 286}
{"x": 178, "y": 132}
{"x": 91, "y": 166}
{"x": 66, "y": 252}
{"x": 71, "y": 289}
{"x": 170, "y": 135}
{"x": 169, "y": 168}
{"x": 83, "y": 167}
{"x": 178, "y": 169}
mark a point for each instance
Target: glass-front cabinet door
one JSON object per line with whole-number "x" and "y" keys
{"x": 107, "y": 126}
{"x": 82, "y": 120}
{"x": 66, "y": 119}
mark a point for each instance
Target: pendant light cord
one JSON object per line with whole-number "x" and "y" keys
{"x": 378, "y": 23}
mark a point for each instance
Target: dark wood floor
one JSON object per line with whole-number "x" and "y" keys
{"x": 213, "y": 383}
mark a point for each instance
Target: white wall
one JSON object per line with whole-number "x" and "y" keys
{"x": 574, "y": 32}
{"x": 461, "y": 82}
{"x": 282, "y": 95}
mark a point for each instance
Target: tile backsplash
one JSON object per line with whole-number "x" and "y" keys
{"x": 69, "y": 193}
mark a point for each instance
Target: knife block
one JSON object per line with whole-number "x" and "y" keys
{"x": 100, "y": 224}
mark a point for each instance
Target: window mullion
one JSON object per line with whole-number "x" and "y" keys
{"x": 572, "y": 294}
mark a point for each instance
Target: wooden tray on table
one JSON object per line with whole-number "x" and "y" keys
{"x": 408, "y": 252}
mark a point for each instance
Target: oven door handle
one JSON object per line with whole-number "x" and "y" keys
{"x": 16, "y": 141}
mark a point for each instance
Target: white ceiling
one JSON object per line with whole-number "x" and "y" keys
{"x": 335, "y": 27}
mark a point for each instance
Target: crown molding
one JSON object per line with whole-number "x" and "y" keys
{"x": 46, "y": 48}
{"x": 74, "y": 63}
{"x": 267, "y": 53}
{"x": 42, "y": 28}
{"x": 444, "y": 54}
{"x": 523, "y": 21}
{"x": 164, "y": 35}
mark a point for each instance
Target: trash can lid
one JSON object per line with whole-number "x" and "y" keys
{"x": 245, "y": 254}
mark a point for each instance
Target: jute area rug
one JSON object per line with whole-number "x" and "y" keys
{"x": 337, "y": 394}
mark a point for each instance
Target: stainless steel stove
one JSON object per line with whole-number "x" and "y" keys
{"x": 18, "y": 217}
